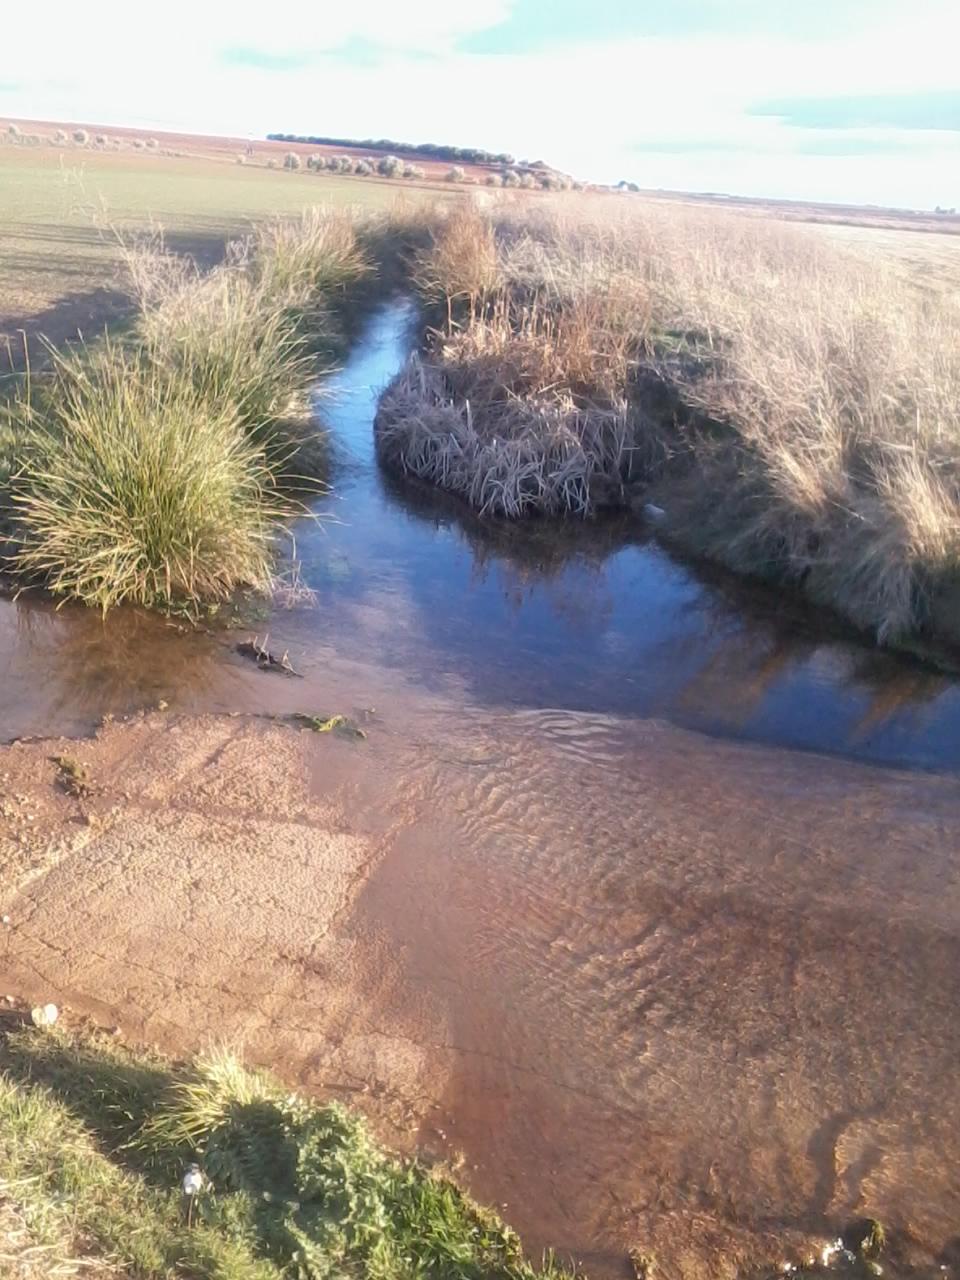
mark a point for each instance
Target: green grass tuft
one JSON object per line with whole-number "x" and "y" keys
{"x": 96, "y": 1142}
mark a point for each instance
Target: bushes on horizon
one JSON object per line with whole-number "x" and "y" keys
{"x": 457, "y": 174}
{"x": 292, "y": 161}
{"x": 390, "y": 166}
{"x": 81, "y": 137}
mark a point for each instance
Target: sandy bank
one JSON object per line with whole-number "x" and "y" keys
{"x": 659, "y": 990}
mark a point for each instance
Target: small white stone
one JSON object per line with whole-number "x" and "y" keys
{"x": 44, "y": 1015}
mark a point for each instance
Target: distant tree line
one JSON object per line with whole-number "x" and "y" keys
{"x": 433, "y": 150}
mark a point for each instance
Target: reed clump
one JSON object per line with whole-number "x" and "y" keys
{"x": 793, "y": 408}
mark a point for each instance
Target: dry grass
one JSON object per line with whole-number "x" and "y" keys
{"x": 158, "y": 471}
{"x": 138, "y": 487}
{"x": 796, "y": 409}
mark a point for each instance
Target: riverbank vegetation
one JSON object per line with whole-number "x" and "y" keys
{"x": 782, "y": 406}
{"x": 159, "y": 468}
{"x": 94, "y": 1143}
{"x": 778, "y": 403}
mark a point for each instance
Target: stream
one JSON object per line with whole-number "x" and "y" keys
{"x": 674, "y": 902}
{"x": 594, "y": 618}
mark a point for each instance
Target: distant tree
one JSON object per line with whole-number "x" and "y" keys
{"x": 363, "y": 168}
{"x": 292, "y": 161}
{"x": 436, "y": 151}
{"x": 138, "y": 144}
{"x": 414, "y": 171}
{"x": 101, "y": 140}
{"x": 152, "y": 143}
{"x": 493, "y": 180}
{"x": 81, "y": 137}
{"x": 528, "y": 181}
{"x": 390, "y": 166}
{"x": 13, "y": 131}
{"x": 457, "y": 174}
{"x": 60, "y": 135}
{"x": 510, "y": 178}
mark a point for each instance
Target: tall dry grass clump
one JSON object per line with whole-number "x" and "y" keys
{"x": 296, "y": 261}
{"x": 831, "y": 393}
{"x": 139, "y": 488}
{"x": 233, "y": 343}
{"x": 796, "y": 410}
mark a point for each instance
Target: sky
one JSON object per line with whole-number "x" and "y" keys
{"x": 839, "y": 100}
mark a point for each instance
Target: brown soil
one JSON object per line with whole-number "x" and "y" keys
{"x": 659, "y": 991}
{"x": 224, "y": 147}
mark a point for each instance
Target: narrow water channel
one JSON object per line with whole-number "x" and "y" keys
{"x": 595, "y": 618}
{"x": 651, "y": 940}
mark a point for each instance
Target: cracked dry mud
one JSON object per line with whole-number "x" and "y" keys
{"x": 659, "y": 991}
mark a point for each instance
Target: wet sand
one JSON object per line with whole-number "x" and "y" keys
{"x": 659, "y": 991}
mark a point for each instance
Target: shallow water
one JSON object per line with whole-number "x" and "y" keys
{"x": 660, "y": 988}
{"x": 595, "y": 619}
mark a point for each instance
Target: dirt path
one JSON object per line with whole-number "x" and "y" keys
{"x": 658, "y": 990}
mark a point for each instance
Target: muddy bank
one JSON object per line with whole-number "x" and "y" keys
{"x": 660, "y": 991}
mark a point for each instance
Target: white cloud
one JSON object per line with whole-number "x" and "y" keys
{"x": 583, "y": 107}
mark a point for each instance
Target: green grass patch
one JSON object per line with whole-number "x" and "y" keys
{"x": 94, "y": 1142}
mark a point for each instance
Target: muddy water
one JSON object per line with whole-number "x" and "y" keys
{"x": 596, "y": 619}
{"x": 661, "y": 988}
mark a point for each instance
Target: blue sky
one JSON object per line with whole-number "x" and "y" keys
{"x": 846, "y": 100}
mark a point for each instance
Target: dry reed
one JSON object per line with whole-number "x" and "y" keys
{"x": 795, "y": 409}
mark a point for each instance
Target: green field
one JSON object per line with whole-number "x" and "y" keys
{"x": 60, "y": 212}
